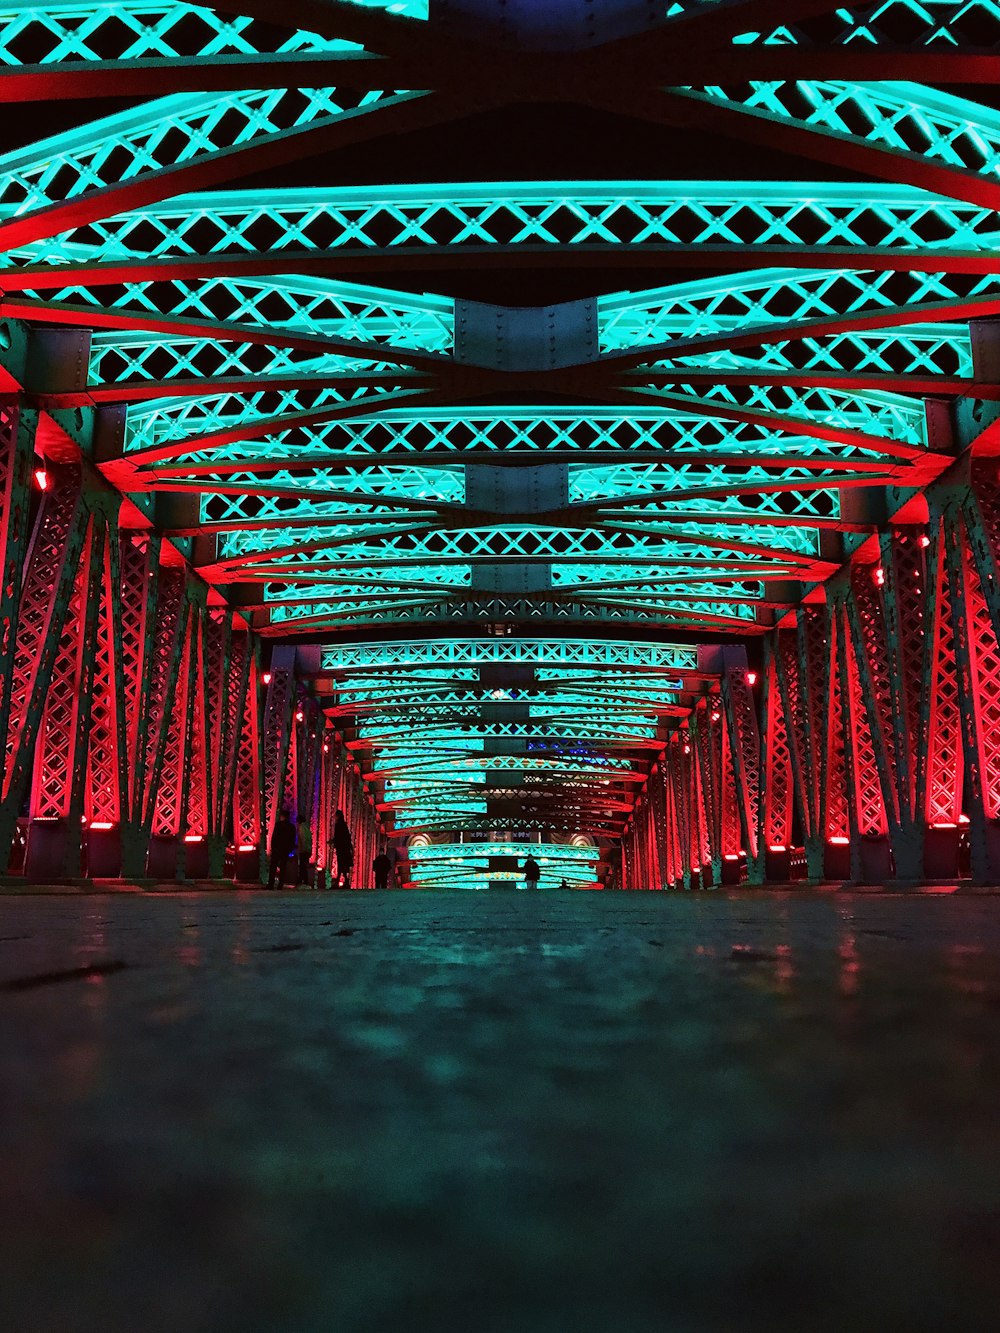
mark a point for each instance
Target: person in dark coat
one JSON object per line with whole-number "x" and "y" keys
{"x": 305, "y": 849}
{"x": 380, "y": 869}
{"x": 343, "y": 846}
{"x": 282, "y": 847}
{"x": 532, "y": 873}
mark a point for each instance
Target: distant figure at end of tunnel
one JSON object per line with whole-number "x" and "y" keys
{"x": 380, "y": 869}
{"x": 282, "y": 847}
{"x": 343, "y": 846}
{"x": 532, "y": 873}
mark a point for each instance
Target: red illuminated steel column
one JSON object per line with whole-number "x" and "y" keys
{"x": 17, "y": 442}
{"x": 310, "y": 774}
{"x": 868, "y": 827}
{"x": 161, "y": 714}
{"x": 278, "y": 723}
{"x": 135, "y": 608}
{"x": 677, "y": 773}
{"x": 56, "y": 803}
{"x": 774, "y": 810}
{"x": 181, "y": 814}
{"x": 744, "y": 753}
{"x": 890, "y": 697}
{"x": 978, "y": 666}
{"x": 806, "y": 753}
{"x": 938, "y": 747}
{"x": 657, "y": 790}
{"x": 230, "y": 661}
{"x": 249, "y": 816}
{"x": 698, "y": 729}
{"x": 49, "y": 580}
{"x": 700, "y": 850}
{"x": 108, "y": 766}
{"x": 328, "y": 791}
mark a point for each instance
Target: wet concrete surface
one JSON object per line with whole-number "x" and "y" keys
{"x": 499, "y": 1113}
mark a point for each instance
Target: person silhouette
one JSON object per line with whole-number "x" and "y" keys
{"x": 282, "y": 847}
{"x": 343, "y": 845}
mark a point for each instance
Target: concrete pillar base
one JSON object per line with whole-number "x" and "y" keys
{"x": 53, "y": 850}
{"x": 876, "y": 861}
{"x": 730, "y": 873}
{"x": 940, "y": 853}
{"x": 777, "y": 865}
{"x": 248, "y": 866}
{"x": 162, "y": 859}
{"x": 196, "y": 860}
{"x": 837, "y": 860}
{"x": 104, "y": 852}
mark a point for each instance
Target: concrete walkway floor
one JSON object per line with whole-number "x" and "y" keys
{"x": 499, "y": 1113}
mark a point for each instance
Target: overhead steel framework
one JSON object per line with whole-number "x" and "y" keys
{"x": 688, "y": 548}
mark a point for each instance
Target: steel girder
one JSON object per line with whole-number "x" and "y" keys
{"x": 269, "y": 445}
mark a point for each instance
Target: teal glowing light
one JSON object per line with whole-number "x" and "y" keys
{"x": 131, "y": 30}
{"x": 874, "y": 218}
{"x": 904, "y": 117}
{"x": 762, "y": 300}
{"x": 478, "y": 865}
{"x": 501, "y": 575}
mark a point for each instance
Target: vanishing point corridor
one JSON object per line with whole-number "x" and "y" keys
{"x": 499, "y": 666}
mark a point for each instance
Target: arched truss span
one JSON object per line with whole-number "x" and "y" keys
{"x": 257, "y": 398}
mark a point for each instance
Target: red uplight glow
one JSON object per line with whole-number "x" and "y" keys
{"x": 751, "y": 677}
{"x": 41, "y": 479}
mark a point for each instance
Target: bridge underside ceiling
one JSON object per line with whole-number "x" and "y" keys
{"x": 464, "y": 341}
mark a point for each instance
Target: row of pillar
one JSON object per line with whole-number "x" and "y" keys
{"x": 141, "y": 734}
{"x": 869, "y": 749}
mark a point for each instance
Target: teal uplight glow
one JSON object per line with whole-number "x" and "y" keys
{"x": 72, "y": 32}
{"x": 480, "y": 865}
{"x": 935, "y": 23}
{"x": 353, "y": 657}
{"x": 902, "y": 116}
{"x": 769, "y": 298}
{"x": 875, "y": 218}
{"x": 552, "y": 732}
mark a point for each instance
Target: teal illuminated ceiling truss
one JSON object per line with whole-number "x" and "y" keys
{"x": 352, "y": 454}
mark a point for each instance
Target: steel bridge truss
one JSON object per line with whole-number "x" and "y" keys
{"x": 232, "y": 432}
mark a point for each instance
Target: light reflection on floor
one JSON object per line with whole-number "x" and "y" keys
{"x": 500, "y": 1112}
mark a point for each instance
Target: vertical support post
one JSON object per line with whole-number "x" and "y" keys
{"x": 983, "y": 833}
{"x": 107, "y": 777}
{"x": 17, "y": 442}
{"x": 278, "y": 710}
{"x": 744, "y": 749}
{"x": 248, "y": 800}
{"x": 803, "y": 766}
{"x": 880, "y": 695}
{"x": 774, "y": 809}
{"x": 162, "y": 723}
{"x": 49, "y": 579}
